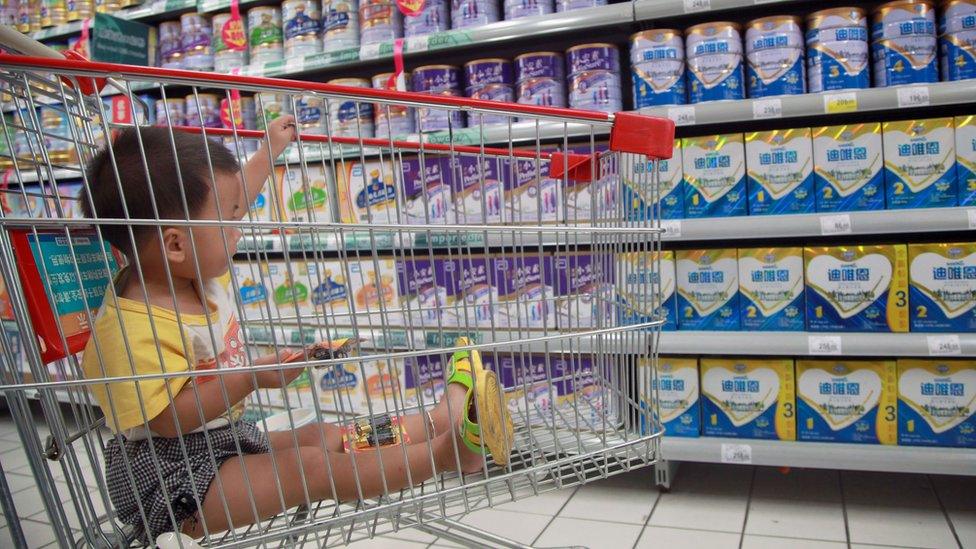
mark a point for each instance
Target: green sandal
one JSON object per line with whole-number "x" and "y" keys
{"x": 494, "y": 424}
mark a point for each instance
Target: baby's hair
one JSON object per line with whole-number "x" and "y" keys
{"x": 168, "y": 159}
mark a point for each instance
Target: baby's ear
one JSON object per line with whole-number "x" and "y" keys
{"x": 175, "y": 245}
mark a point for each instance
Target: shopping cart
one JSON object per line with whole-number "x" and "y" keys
{"x": 402, "y": 251}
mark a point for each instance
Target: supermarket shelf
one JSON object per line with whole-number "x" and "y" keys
{"x": 149, "y": 10}
{"x": 802, "y": 343}
{"x": 502, "y": 31}
{"x": 31, "y": 176}
{"x": 822, "y": 224}
{"x": 819, "y": 104}
{"x": 825, "y": 455}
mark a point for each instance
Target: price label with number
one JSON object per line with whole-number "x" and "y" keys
{"x": 913, "y": 96}
{"x": 694, "y": 6}
{"x": 369, "y": 51}
{"x": 835, "y": 103}
{"x": 736, "y": 453}
{"x": 835, "y": 224}
{"x": 682, "y": 116}
{"x": 294, "y": 65}
{"x": 767, "y": 108}
{"x": 824, "y": 345}
{"x": 944, "y": 345}
{"x": 671, "y": 228}
{"x": 418, "y": 43}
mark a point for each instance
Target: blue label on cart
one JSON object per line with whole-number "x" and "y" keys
{"x": 60, "y": 258}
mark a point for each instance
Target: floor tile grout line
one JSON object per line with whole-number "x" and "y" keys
{"x": 843, "y": 507}
{"x": 745, "y": 519}
{"x": 945, "y": 511}
{"x": 648, "y": 521}
{"x": 556, "y": 515}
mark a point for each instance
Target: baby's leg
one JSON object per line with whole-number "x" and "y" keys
{"x": 232, "y": 502}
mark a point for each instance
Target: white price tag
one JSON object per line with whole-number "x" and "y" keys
{"x": 972, "y": 218}
{"x": 767, "y": 108}
{"x": 418, "y": 43}
{"x": 913, "y": 96}
{"x": 693, "y": 6}
{"x": 944, "y": 345}
{"x": 682, "y": 116}
{"x": 736, "y": 453}
{"x": 671, "y": 228}
{"x": 369, "y": 51}
{"x": 295, "y": 64}
{"x": 835, "y": 224}
{"x": 824, "y": 345}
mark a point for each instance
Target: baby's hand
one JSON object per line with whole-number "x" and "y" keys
{"x": 272, "y": 379}
{"x": 281, "y": 132}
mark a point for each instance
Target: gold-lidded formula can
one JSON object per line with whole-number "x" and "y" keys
{"x": 53, "y": 13}
{"x": 264, "y": 35}
{"x": 80, "y": 9}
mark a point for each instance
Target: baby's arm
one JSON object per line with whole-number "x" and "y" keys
{"x": 186, "y": 412}
{"x": 281, "y": 131}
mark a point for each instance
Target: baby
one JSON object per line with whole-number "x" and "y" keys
{"x": 182, "y": 458}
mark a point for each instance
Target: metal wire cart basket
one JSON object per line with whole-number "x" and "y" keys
{"x": 399, "y": 256}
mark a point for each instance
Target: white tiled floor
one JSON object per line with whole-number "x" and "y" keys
{"x": 709, "y": 506}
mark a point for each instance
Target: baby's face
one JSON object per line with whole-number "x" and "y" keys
{"x": 214, "y": 246}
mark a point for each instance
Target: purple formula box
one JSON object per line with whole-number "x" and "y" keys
{"x": 476, "y": 297}
{"x": 584, "y": 294}
{"x": 531, "y": 196}
{"x": 427, "y": 190}
{"x": 428, "y": 291}
{"x": 424, "y": 379}
{"x": 523, "y": 284}
{"x": 477, "y": 185}
{"x": 596, "y": 200}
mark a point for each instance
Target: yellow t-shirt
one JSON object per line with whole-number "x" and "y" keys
{"x": 159, "y": 341}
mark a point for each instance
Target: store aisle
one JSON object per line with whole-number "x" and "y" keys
{"x": 710, "y": 506}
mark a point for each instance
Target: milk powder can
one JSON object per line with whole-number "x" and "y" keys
{"x": 437, "y": 80}
{"x": 229, "y": 43}
{"x": 903, "y": 43}
{"x": 569, "y": 5}
{"x": 349, "y": 117}
{"x": 196, "y": 36}
{"x": 657, "y": 64}
{"x": 340, "y": 24}
{"x": 473, "y": 13}
{"x": 170, "y": 45}
{"x": 516, "y": 9}
{"x": 957, "y": 40}
{"x": 490, "y": 80}
{"x": 264, "y": 34}
{"x": 774, "y": 54}
{"x": 837, "y": 50}
{"x": 301, "y": 20}
{"x": 432, "y": 18}
{"x": 379, "y": 21}
{"x": 714, "y": 53}
{"x": 395, "y": 120}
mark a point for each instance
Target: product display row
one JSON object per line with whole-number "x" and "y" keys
{"x": 911, "y": 402}
{"x": 29, "y": 16}
{"x": 876, "y": 288}
{"x": 874, "y": 166}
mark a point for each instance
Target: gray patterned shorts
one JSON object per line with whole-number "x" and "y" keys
{"x": 180, "y": 479}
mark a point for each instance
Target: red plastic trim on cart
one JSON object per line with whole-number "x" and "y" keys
{"x": 634, "y": 133}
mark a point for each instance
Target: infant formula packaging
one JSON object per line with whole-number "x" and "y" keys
{"x": 780, "y": 172}
{"x": 966, "y": 158}
{"x": 847, "y": 401}
{"x": 641, "y": 195}
{"x": 646, "y": 288}
{"x": 748, "y": 398}
{"x": 714, "y": 175}
{"x": 935, "y": 403}
{"x": 847, "y": 167}
{"x": 942, "y": 291}
{"x": 857, "y": 288}
{"x": 771, "y": 289}
{"x": 677, "y": 394}
{"x": 708, "y": 289}
{"x": 920, "y": 163}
